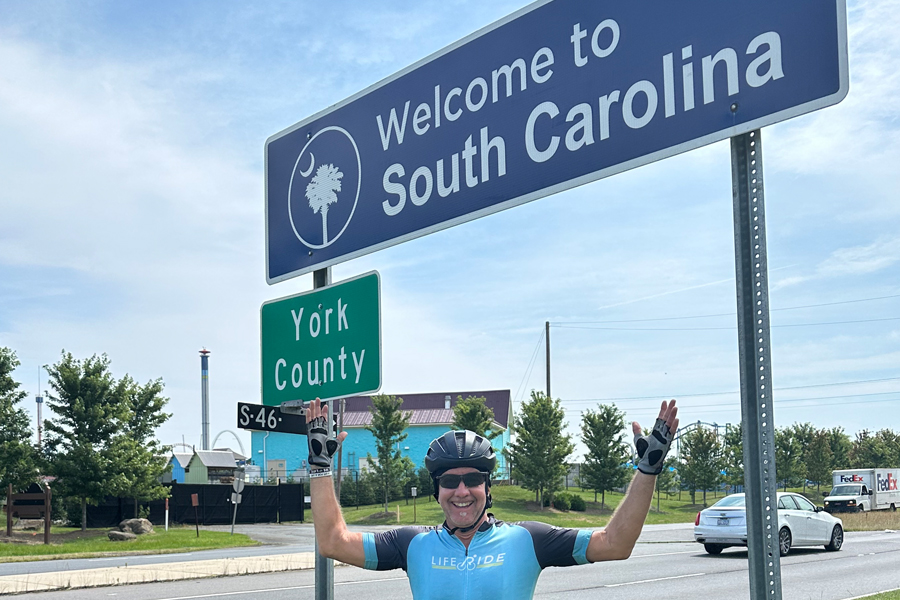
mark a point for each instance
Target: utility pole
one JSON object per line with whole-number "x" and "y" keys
{"x": 547, "y": 335}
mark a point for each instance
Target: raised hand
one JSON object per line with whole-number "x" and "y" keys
{"x": 321, "y": 448}
{"x": 652, "y": 449}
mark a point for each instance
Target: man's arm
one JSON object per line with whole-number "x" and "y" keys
{"x": 334, "y": 539}
{"x": 617, "y": 539}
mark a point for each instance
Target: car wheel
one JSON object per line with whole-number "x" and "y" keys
{"x": 837, "y": 539}
{"x": 860, "y": 508}
{"x": 784, "y": 541}
{"x": 893, "y": 508}
{"x": 713, "y": 548}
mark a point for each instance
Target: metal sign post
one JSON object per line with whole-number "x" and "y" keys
{"x": 325, "y": 566}
{"x": 755, "y": 359}
{"x": 238, "y": 486}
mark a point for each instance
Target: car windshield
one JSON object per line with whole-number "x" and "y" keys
{"x": 729, "y": 501}
{"x": 845, "y": 490}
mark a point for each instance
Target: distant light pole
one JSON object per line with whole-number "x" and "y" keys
{"x": 40, "y": 403}
{"x": 265, "y": 461}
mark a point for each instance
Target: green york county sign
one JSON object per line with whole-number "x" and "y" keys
{"x": 323, "y": 344}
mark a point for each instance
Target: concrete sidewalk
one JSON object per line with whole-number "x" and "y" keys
{"x": 61, "y": 580}
{"x": 249, "y": 565}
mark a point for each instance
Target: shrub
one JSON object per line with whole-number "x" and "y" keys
{"x": 562, "y": 501}
{"x": 578, "y": 503}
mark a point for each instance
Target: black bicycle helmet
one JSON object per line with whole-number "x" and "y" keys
{"x": 459, "y": 449}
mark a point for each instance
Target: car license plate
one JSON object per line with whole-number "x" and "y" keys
{"x": 722, "y": 522}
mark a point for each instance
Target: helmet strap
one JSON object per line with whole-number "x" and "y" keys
{"x": 474, "y": 525}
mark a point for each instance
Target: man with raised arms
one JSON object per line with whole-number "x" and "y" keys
{"x": 473, "y": 554}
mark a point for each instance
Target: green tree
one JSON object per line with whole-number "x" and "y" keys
{"x": 891, "y": 442}
{"x": 18, "y": 460}
{"x": 870, "y": 451}
{"x": 733, "y": 455}
{"x": 604, "y": 466}
{"x": 804, "y": 434}
{"x": 473, "y": 414}
{"x": 139, "y": 458}
{"x": 819, "y": 459}
{"x": 540, "y": 449}
{"x": 667, "y": 479}
{"x": 388, "y": 426}
{"x": 840, "y": 448}
{"x": 701, "y": 461}
{"x": 789, "y": 467}
{"x": 89, "y": 408}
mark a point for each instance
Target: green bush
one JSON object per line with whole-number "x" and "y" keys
{"x": 562, "y": 501}
{"x": 578, "y": 503}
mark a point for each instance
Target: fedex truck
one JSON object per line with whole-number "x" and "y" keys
{"x": 861, "y": 490}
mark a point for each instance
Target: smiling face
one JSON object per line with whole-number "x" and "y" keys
{"x": 462, "y": 506}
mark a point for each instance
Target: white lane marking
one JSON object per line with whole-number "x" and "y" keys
{"x": 664, "y": 554}
{"x": 653, "y": 580}
{"x": 282, "y": 589}
{"x": 136, "y": 556}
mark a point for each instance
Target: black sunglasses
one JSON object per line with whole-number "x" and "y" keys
{"x": 451, "y": 482}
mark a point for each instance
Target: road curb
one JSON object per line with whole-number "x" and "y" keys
{"x": 86, "y": 578}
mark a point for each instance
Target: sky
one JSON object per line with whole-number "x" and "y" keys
{"x": 132, "y": 224}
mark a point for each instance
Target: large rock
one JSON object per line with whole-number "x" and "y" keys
{"x": 29, "y": 524}
{"x": 137, "y": 526}
{"x": 121, "y": 536}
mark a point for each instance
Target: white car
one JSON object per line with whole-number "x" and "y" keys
{"x": 800, "y": 523}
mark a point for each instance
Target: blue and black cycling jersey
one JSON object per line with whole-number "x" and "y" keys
{"x": 503, "y": 560}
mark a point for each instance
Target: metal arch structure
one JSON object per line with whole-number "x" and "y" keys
{"x": 234, "y": 435}
{"x": 188, "y": 446}
{"x": 720, "y": 430}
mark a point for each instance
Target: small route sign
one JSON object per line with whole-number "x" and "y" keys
{"x": 269, "y": 418}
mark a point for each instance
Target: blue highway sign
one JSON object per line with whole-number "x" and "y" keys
{"x": 558, "y": 94}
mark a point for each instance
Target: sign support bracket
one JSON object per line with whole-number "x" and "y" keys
{"x": 755, "y": 361}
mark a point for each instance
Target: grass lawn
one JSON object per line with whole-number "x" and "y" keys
{"x": 69, "y": 542}
{"x": 894, "y": 595}
{"x": 512, "y": 503}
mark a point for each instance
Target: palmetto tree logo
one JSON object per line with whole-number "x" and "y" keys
{"x": 322, "y": 193}
{"x": 326, "y": 181}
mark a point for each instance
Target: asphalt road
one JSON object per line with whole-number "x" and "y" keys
{"x": 868, "y": 563}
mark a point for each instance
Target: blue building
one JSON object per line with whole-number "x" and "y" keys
{"x": 179, "y": 461}
{"x": 284, "y": 455}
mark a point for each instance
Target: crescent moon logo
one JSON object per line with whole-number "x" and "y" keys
{"x": 312, "y": 164}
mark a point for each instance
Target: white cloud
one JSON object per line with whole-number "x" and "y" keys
{"x": 861, "y": 259}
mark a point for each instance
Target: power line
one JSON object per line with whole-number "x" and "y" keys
{"x": 721, "y": 328}
{"x": 730, "y": 314}
{"x": 777, "y": 389}
{"x": 776, "y": 401}
{"x": 530, "y": 364}
{"x": 722, "y": 408}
